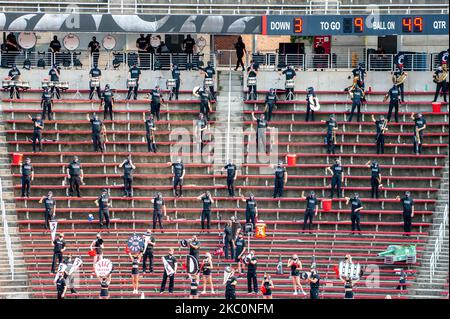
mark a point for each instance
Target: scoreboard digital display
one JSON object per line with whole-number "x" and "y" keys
{"x": 376, "y": 25}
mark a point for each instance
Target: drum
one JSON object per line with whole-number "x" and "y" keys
{"x": 24, "y": 85}
{"x": 289, "y": 84}
{"x": 5, "y": 84}
{"x": 208, "y": 82}
{"x": 251, "y": 81}
{"x": 62, "y": 85}
{"x": 171, "y": 83}
{"x": 131, "y": 83}
{"x": 47, "y": 84}
{"x": 260, "y": 230}
{"x": 95, "y": 82}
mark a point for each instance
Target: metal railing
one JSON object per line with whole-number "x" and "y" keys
{"x": 438, "y": 244}
{"x": 234, "y": 7}
{"x": 6, "y": 233}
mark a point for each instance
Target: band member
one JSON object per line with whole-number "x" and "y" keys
{"x": 312, "y": 207}
{"x": 104, "y": 287}
{"x": 251, "y": 263}
{"x": 290, "y": 74}
{"x": 357, "y": 96}
{"x": 236, "y": 227}
{"x": 150, "y": 129}
{"x": 281, "y": 178}
{"x": 170, "y": 263}
{"x": 55, "y": 48}
{"x": 141, "y": 45}
{"x": 188, "y": 47}
{"x": 27, "y": 171}
{"x": 314, "y": 283}
{"x": 419, "y": 126}
{"x": 440, "y": 77}
{"x": 97, "y": 128}
{"x": 228, "y": 238}
{"x": 159, "y": 209}
{"x": 128, "y": 168}
{"x": 231, "y": 170}
{"x": 98, "y": 246}
{"x": 95, "y": 74}
{"x": 14, "y": 74}
{"x": 251, "y": 210}
{"x": 241, "y": 249}
{"x": 408, "y": 211}
{"x": 178, "y": 172}
{"x": 195, "y": 279}
{"x": 271, "y": 100}
{"x": 309, "y": 93}
{"x": 393, "y": 103}
{"x": 330, "y": 139}
{"x": 337, "y": 177}
{"x": 261, "y": 129}
{"x": 252, "y": 93}
{"x": 206, "y": 268}
{"x": 296, "y": 266}
{"x": 59, "y": 246}
{"x": 359, "y": 75}
{"x": 38, "y": 126}
{"x": 94, "y": 46}
{"x": 209, "y": 73}
{"x": 47, "y": 104}
{"x": 194, "y": 247}
{"x": 398, "y": 79}
{"x": 107, "y": 101}
{"x": 61, "y": 287}
{"x": 202, "y": 125}
{"x": 149, "y": 247}
{"x": 349, "y": 283}
{"x": 230, "y": 286}
{"x": 381, "y": 127}
{"x": 55, "y": 74}
{"x": 207, "y": 200}
{"x": 375, "y": 178}
{"x": 155, "y": 101}
{"x": 176, "y": 76}
{"x": 133, "y": 73}
{"x": 267, "y": 286}
{"x": 356, "y": 209}
{"x": 205, "y": 103}
{"x": 135, "y": 260}
{"x": 50, "y": 208}
{"x": 75, "y": 175}
{"x": 103, "y": 203}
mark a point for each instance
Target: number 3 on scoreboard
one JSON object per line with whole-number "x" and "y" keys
{"x": 298, "y": 25}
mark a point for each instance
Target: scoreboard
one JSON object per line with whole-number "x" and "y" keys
{"x": 375, "y": 25}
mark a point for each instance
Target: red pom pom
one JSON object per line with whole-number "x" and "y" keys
{"x": 127, "y": 250}
{"x": 92, "y": 253}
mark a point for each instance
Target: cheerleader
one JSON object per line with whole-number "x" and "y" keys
{"x": 104, "y": 287}
{"x": 194, "y": 285}
{"x": 97, "y": 246}
{"x": 296, "y": 265}
{"x": 207, "y": 266}
{"x": 348, "y": 286}
{"x": 135, "y": 272}
{"x": 267, "y": 286}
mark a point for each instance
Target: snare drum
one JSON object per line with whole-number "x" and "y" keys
{"x": 5, "y": 84}
{"x": 46, "y": 84}
{"x": 24, "y": 85}
{"x": 131, "y": 83}
{"x": 289, "y": 84}
{"x": 62, "y": 85}
{"x": 171, "y": 83}
{"x": 251, "y": 81}
{"x": 209, "y": 82}
{"x": 95, "y": 82}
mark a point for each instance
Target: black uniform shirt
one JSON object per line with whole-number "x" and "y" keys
{"x": 49, "y": 203}
{"x": 141, "y": 43}
{"x": 279, "y": 172}
{"x": 317, "y": 284}
{"x": 189, "y": 45}
{"x": 53, "y": 75}
{"x": 231, "y": 170}
{"x": 26, "y": 169}
{"x": 193, "y": 251}
{"x": 407, "y": 203}
{"x": 55, "y": 45}
{"x": 94, "y": 46}
{"x": 393, "y": 94}
{"x": 127, "y": 169}
{"x": 231, "y": 289}
{"x": 46, "y": 96}
{"x": 330, "y": 125}
{"x": 206, "y": 202}
{"x": 156, "y": 96}
{"x": 357, "y": 95}
{"x": 171, "y": 260}
{"x": 337, "y": 170}
{"x": 59, "y": 245}
{"x": 356, "y": 203}
{"x": 251, "y": 74}
{"x": 204, "y": 97}
{"x": 13, "y": 73}
{"x": 135, "y": 73}
{"x": 251, "y": 205}
{"x": 420, "y": 122}
{"x": 37, "y": 122}
{"x": 158, "y": 203}
{"x": 289, "y": 73}
{"x": 60, "y": 284}
{"x": 178, "y": 169}
{"x": 103, "y": 201}
{"x": 375, "y": 170}
{"x": 251, "y": 268}
{"x": 311, "y": 202}
{"x": 240, "y": 245}
{"x": 379, "y": 125}
{"x": 261, "y": 124}
{"x": 271, "y": 98}
{"x": 96, "y": 126}
{"x": 95, "y": 72}
{"x": 107, "y": 95}
{"x": 74, "y": 169}
{"x": 176, "y": 74}
{"x": 209, "y": 70}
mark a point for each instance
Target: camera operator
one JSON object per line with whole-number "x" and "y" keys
{"x": 314, "y": 284}
{"x": 251, "y": 263}
{"x": 296, "y": 265}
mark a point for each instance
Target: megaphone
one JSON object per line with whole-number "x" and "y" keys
{"x": 196, "y": 90}
{"x": 184, "y": 243}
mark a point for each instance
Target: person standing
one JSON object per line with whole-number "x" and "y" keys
{"x": 209, "y": 73}
{"x": 103, "y": 203}
{"x": 170, "y": 264}
{"x": 47, "y": 104}
{"x": 312, "y": 207}
{"x": 206, "y": 268}
{"x": 408, "y": 211}
{"x": 195, "y": 279}
{"x": 252, "y": 92}
{"x": 95, "y": 74}
{"x": 270, "y": 104}
{"x": 359, "y": 75}
{"x": 228, "y": 240}
{"x": 141, "y": 45}
{"x": 394, "y": 102}
{"x": 357, "y": 96}
{"x": 199, "y": 129}
{"x": 261, "y": 129}
{"x": 349, "y": 283}
{"x": 75, "y": 175}
{"x": 97, "y": 127}
{"x": 230, "y": 286}
{"x": 61, "y": 287}
{"x": 104, "y": 287}
{"x": 98, "y": 246}
{"x": 38, "y": 126}
{"x": 251, "y": 263}
{"x": 107, "y": 100}
{"x": 267, "y": 286}
{"x": 70, "y": 280}
{"x": 188, "y": 48}
{"x": 27, "y": 171}
{"x": 399, "y": 73}
{"x": 251, "y": 210}
{"x": 14, "y": 74}
{"x": 296, "y": 265}
{"x": 135, "y": 260}
{"x": 231, "y": 170}
{"x": 159, "y": 210}
{"x": 150, "y": 129}
{"x": 240, "y": 50}
{"x": 50, "y": 208}
{"x": 59, "y": 246}
{"x": 134, "y": 73}
{"x": 194, "y": 247}
{"x": 440, "y": 77}
{"x": 94, "y": 46}
{"x": 330, "y": 139}
{"x": 290, "y": 75}
{"x": 205, "y": 103}
{"x": 178, "y": 172}
{"x": 281, "y": 178}
{"x": 128, "y": 168}
{"x": 310, "y": 95}
{"x": 55, "y": 74}
{"x": 155, "y": 101}
{"x": 381, "y": 127}
{"x": 55, "y": 48}
{"x": 375, "y": 178}
{"x": 149, "y": 246}
{"x": 207, "y": 200}
{"x": 420, "y": 124}
{"x": 241, "y": 249}
{"x": 176, "y": 73}
{"x": 337, "y": 177}
{"x": 356, "y": 209}
{"x": 314, "y": 284}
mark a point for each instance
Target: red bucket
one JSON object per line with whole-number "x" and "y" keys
{"x": 326, "y": 204}
{"x": 291, "y": 159}
{"x": 17, "y": 158}
{"x": 436, "y": 107}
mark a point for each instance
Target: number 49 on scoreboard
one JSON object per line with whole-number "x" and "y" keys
{"x": 412, "y": 24}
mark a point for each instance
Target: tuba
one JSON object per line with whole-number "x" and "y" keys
{"x": 399, "y": 79}
{"x": 195, "y": 91}
{"x": 314, "y": 103}
{"x": 442, "y": 77}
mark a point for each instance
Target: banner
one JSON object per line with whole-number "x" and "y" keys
{"x": 53, "y": 227}
{"x": 135, "y": 243}
{"x": 76, "y": 264}
{"x": 191, "y": 265}
{"x": 103, "y": 268}
{"x": 167, "y": 267}
{"x": 61, "y": 267}
{"x": 349, "y": 270}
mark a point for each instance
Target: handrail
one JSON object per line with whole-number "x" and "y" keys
{"x": 438, "y": 244}
{"x": 6, "y": 233}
